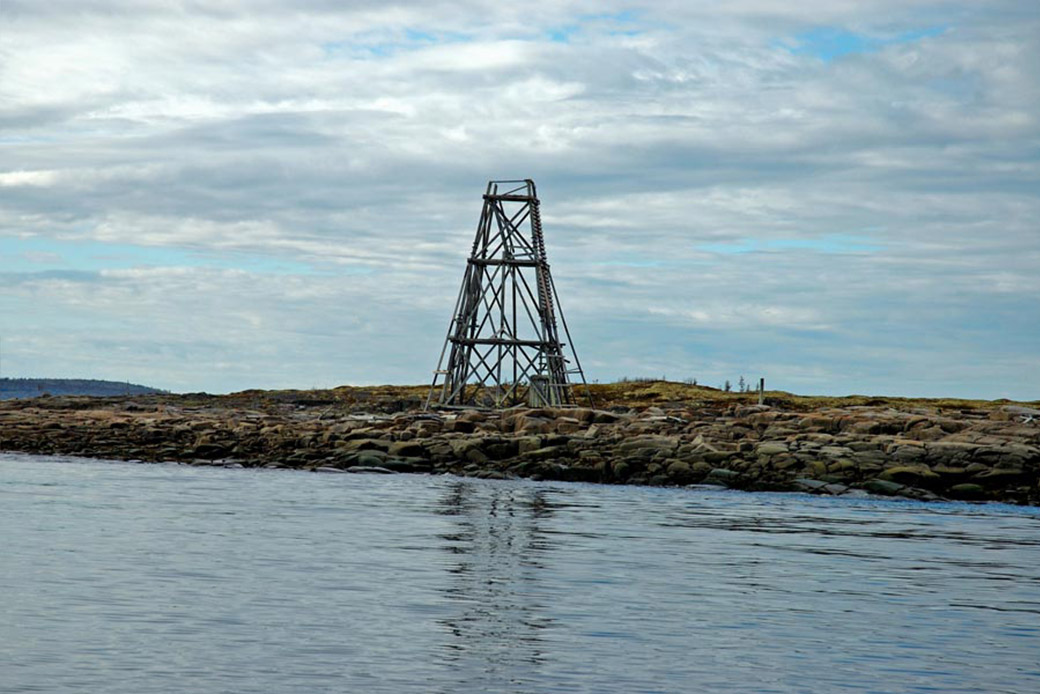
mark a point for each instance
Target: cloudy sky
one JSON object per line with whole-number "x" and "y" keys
{"x": 841, "y": 196}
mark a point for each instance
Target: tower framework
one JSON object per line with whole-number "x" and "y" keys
{"x": 504, "y": 344}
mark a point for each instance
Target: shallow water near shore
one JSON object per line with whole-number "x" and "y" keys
{"x": 120, "y": 577}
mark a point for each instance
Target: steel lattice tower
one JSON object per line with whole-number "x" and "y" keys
{"x": 504, "y": 344}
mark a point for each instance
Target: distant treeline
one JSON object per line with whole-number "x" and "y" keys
{"x": 35, "y": 387}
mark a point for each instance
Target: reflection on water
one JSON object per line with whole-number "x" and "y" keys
{"x": 139, "y": 579}
{"x": 497, "y": 550}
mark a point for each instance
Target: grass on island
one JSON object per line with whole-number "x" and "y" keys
{"x": 636, "y": 393}
{"x": 627, "y": 393}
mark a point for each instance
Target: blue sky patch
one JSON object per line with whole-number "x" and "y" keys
{"x": 622, "y": 17}
{"x": 630, "y": 263}
{"x": 562, "y": 34}
{"x": 831, "y": 243}
{"x": 383, "y": 45}
{"x": 38, "y": 254}
{"x": 829, "y": 43}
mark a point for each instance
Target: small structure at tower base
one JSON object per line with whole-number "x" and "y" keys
{"x": 504, "y": 345}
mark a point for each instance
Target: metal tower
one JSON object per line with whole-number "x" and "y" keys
{"x": 503, "y": 345}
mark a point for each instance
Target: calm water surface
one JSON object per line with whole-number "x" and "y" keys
{"x": 117, "y": 577}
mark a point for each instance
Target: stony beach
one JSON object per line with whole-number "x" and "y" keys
{"x": 649, "y": 433}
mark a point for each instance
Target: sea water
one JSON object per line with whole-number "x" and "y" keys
{"x": 136, "y": 578}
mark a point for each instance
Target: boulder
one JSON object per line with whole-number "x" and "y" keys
{"x": 780, "y": 431}
{"x": 471, "y": 416}
{"x": 820, "y": 423}
{"x": 744, "y": 411}
{"x": 1019, "y": 453}
{"x": 369, "y": 459}
{"x": 722, "y": 476}
{"x": 407, "y": 449}
{"x": 1010, "y": 413}
{"x": 771, "y": 448}
{"x": 680, "y": 472}
{"x": 836, "y": 452}
{"x": 499, "y": 449}
{"x": 904, "y": 452}
{"x": 842, "y": 467}
{"x": 526, "y": 444}
{"x": 967, "y": 492}
{"x": 883, "y": 487}
{"x": 547, "y": 453}
{"x": 808, "y": 485}
{"x": 469, "y": 449}
{"x": 716, "y": 457}
{"x": 527, "y": 424}
{"x": 210, "y": 450}
{"x": 949, "y": 474}
{"x": 367, "y": 444}
{"x": 912, "y": 476}
{"x": 582, "y": 414}
{"x": 462, "y": 426}
{"x": 568, "y": 425}
{"x": 406, "y": 464}
{"x": 653, "y": 444}
{"x": 918, "y": 494}
{"x": 998, "y": 478}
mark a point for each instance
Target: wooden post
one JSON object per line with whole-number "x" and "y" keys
{"x": 761, "y": 391}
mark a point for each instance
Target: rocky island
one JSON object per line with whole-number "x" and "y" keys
{"x": 645, "y": 433}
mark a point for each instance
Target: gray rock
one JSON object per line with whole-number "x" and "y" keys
{"x": 547, "y": 453}
{"x": 680, "y": 472}
{"x": 967, "y": 491}
{"x": 918, "y": 494}
{"x": 404, "y": 464}
{"x": 909, "y": 453}
{"x": 650, "y": 443}
{"x": 369, "y": 459}
{"x": 407, "y": 449}
{"x": 370, "y": 469}
{"x": 808, "y": 485}
{"x": 999, "y": 477}
{"x": 768, "y": 448}
{"x": 748, "y": 410}
{"x": 722, "y": 476}
{"x": 210, "y": 450}
{"x": 911, "y": 476}
{"x": 1021, "y": 411}
{"x": 367, "y": 444}
{"x": 526, "y": 444}
{"x": 604, "y": 417}
{"x": 718, "y": 456}
{"x": 883, "y": 487}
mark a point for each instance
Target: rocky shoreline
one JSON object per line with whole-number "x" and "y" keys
{"x": 988, "y": 453}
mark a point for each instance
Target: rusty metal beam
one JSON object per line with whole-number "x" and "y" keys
{"x": 505, "y": 329}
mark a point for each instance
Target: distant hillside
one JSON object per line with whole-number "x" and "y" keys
{"x": 35, "y": 387}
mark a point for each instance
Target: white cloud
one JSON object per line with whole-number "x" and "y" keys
{"x": 28, "y": 178}
{"x": 742, "y": 204}
{"x": 747, "y": 316}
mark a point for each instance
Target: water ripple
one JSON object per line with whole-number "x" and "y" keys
{"x": 151, "y": 578}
